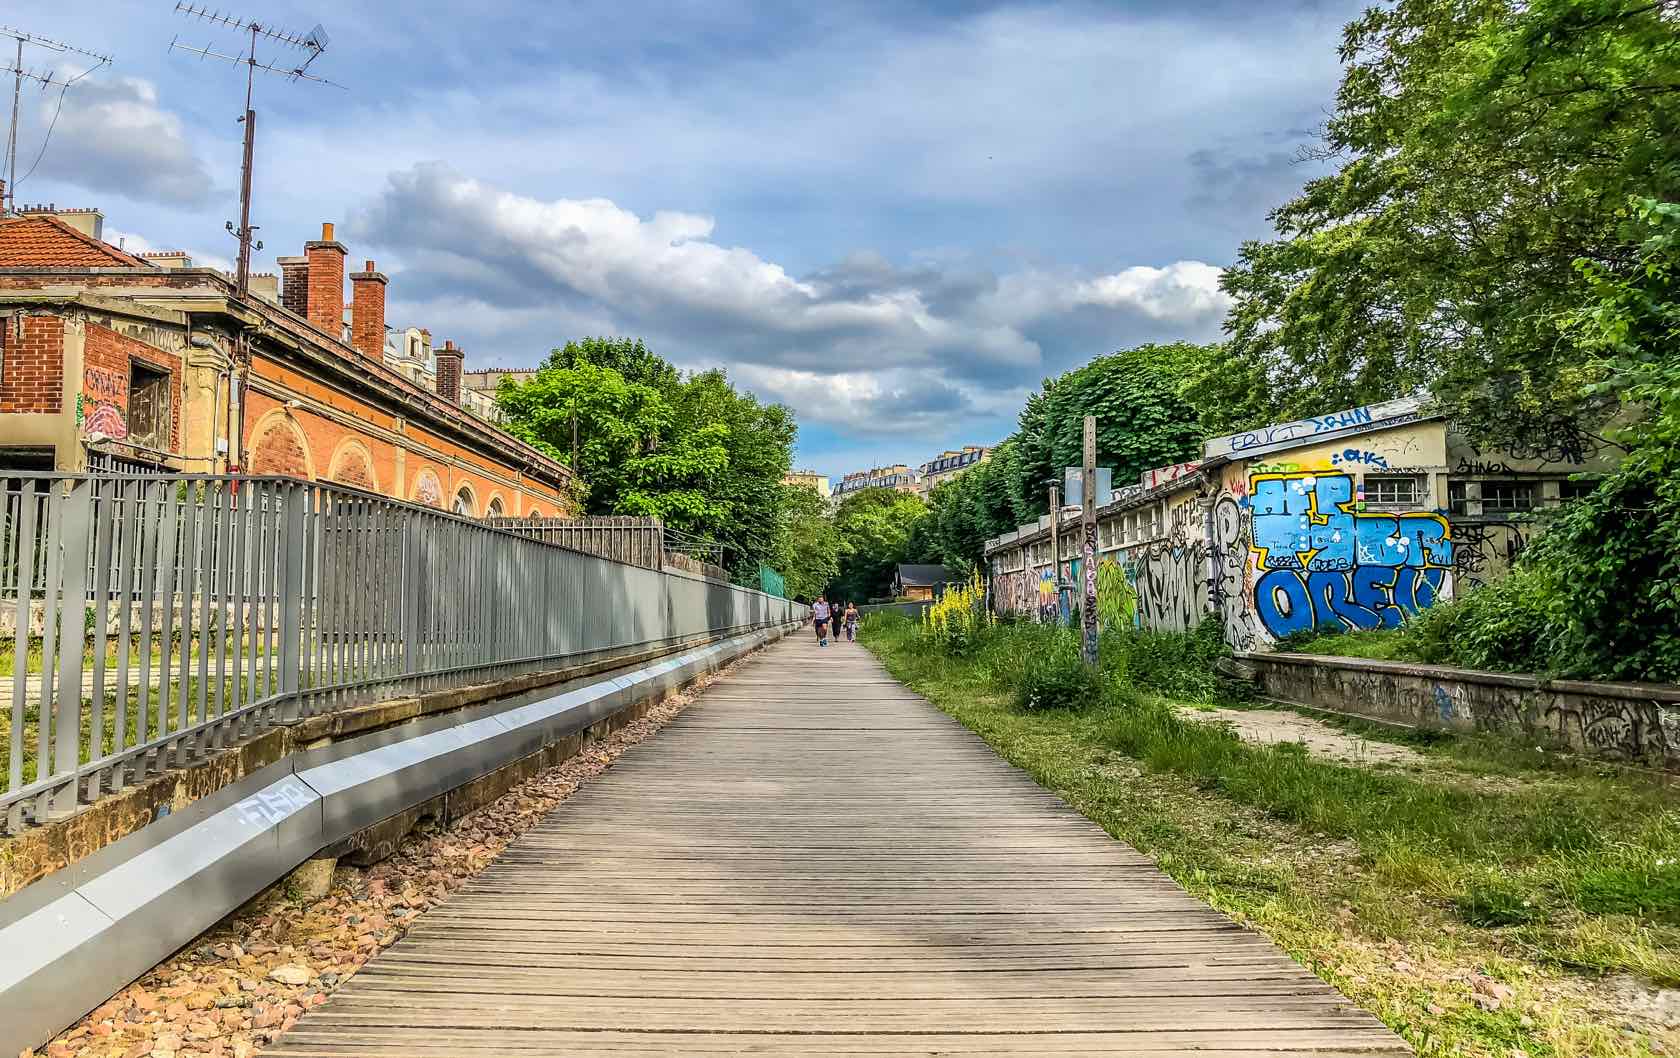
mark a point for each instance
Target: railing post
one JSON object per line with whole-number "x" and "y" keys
{"x": 293, "y": 591}
{"x": 408, "y": 599}
{"x": 72, "y": 607}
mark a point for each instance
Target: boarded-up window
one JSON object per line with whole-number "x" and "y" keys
{"x": 150, "y": 407}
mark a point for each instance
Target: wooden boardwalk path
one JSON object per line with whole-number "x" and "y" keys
{"x": 813, "y": 860}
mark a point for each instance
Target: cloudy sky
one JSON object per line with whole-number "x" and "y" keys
{"x": 895, "y": 216}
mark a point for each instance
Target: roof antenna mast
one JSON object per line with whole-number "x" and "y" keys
{"x": 8, "y": 202}
{"x": 311, "y": 44}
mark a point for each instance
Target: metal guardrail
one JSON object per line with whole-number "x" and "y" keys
{"x": 158, "y": 619}
{"x": 622, "y": 538}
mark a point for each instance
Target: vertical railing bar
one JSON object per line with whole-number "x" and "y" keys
{"x": 220, "y": 560}
{"x": 52, "y": 607}
{"x": 209, "y": 571}
{"x": 362, "y": 596}
{"x": 240, "y": 608}
{"x": 268, "y": 524}
{"x": 104, "y": 522}
{"x": 306, "y": 551}
{"x": 152, "y": 547}
{"x": 295, "y": 595}
{"x": 128, "y": 561}
{"x": 28, "y": 528}
{"x": 193, "y": 517}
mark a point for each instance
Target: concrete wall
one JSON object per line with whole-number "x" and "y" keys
{"x": 1631, "y": 723}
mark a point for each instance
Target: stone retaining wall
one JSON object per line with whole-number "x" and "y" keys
{"x": 1637, "y": 723}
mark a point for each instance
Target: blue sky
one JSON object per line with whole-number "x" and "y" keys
{"x": 895, "y": 217}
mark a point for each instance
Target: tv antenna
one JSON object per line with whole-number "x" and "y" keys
{"x": 312, "y": 44}
{"x": 20, "y": 74}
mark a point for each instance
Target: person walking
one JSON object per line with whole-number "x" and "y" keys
{"x": 819, "y": 616}
{"x": 851, "y": 619}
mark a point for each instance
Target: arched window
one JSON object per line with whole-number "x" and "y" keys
{"x": 534, "y": 514}
{"x": 464, "y": 502}
{"x": 495, "y": 508}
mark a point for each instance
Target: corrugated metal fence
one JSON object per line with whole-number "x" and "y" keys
{"x": 158, "y": 619}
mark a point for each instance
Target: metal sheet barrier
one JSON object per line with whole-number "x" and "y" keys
{"x": 157, "y": 619}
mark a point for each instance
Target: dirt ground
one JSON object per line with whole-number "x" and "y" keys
{"x": 1267, "y": 726}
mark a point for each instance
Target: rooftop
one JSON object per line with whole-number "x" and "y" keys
{"x": 47, "y": 242}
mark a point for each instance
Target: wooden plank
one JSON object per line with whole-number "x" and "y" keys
{"x": 812, "y": 860}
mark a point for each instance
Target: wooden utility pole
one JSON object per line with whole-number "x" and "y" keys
{"x": 1088, "y": 521}
{"x": 1056, "y": 544}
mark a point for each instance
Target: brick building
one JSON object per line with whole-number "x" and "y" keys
{"x": 113, "y": 360}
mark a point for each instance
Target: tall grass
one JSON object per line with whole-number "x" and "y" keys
{"x": 1576, "y": 844}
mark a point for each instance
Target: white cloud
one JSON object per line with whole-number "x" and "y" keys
{"x": 1181, "y": 290}
{"x": 111, "y": 134}
{"x": 862, "y": 345}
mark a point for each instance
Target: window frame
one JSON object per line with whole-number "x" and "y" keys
{"x": 1530, "y": 488}
{"x": 1372, "y": 484}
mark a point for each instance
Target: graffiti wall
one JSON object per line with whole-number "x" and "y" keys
{"x": 102, "y": 407}
{"x": 1319, "y": 559}
{"x": 1170, "y": 575}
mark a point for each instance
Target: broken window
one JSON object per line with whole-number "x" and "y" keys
{"x": 150, "y": 407}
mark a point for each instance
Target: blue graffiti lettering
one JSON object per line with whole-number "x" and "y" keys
{"x": 1358, "y": 456}
{"x": 1324, "y": 562}
{"x": 1341, "y": 420}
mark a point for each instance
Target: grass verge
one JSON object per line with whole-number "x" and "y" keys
{"x": 1521, "y": 907}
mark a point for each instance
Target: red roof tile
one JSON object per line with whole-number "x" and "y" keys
{"x": 47, "y": 242}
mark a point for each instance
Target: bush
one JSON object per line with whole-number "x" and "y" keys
{"x": 958, "y": 620}
{"x": 1177, "y": 664}
{"x": 1504, "y": 625}
{"x": 1056, "y": 678}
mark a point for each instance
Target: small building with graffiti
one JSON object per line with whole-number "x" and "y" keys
{"x": 1354, "y": 518}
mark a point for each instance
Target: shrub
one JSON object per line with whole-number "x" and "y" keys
{"x": 1177, "y": 664}
{"x": 1056, "y": 678}
{"x": 956, "y": 622}
{"x": 1503, "y": 625}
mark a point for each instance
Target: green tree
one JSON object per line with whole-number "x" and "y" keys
{"x": 1143, "y": 419}
{"x": 748, "y": 489}
{"x": 612, "y": 420}
{"x": 808, "y": 552}
{"x": 705, "y": 458}
{"x": 1484, "y": 146}
{"x": 875, "y": 527}
{"x": 630, "y": 357}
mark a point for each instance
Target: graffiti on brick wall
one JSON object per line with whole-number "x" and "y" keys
{"x": 1170, "y": 575}
{"x": 1049, "y": 605}
{"x": 102, "y": 406}
{"x": 1171, "y": 585}
{"x": 428, "y": 489}
{"x": 1011, "y": 592}
{"x": 1482, "y": 551}
{"x": 1319, "y": 561}
{"x": 1228, "y": 592}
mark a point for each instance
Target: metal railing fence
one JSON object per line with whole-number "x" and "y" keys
{"x": 621, "y": 537}
{"x": 157, "y": 619}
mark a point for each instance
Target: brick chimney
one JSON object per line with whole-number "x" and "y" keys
{"x": 294, "y": 284}
{"x": 326, "y": 282}
{"x": 449, "y": 361}
{"x": 367, "y": 312}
